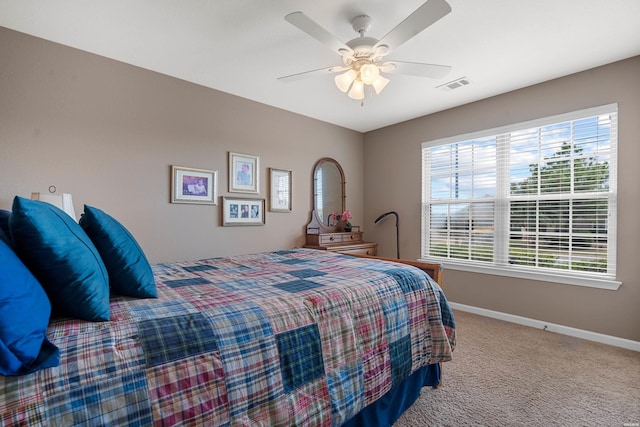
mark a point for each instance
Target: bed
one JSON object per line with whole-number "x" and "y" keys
{"x": 291, "y": 337}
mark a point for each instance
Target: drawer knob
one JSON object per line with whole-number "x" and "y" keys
{"x": 331, "y": 239}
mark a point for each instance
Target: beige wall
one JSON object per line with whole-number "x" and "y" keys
{"x": 108, "y": 132}
{"x": 393, "y": 182}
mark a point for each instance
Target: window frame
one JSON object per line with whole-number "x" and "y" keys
{"x": 503, "y": 197}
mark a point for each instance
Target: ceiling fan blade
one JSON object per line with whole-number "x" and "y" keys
{"x": 421, "y": 18}
{"x": 307, "y": 25}
{"x": 312, "y": 73}
{"x": 419, "y": 69}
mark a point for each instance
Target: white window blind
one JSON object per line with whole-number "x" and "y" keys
{"x": 535, "y": 197}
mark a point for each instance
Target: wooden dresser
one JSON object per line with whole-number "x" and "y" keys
{"x": 346, "y": 242}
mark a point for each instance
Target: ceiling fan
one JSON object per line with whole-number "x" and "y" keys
{"x": 363, "y": 56}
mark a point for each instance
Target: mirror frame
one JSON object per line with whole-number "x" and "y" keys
{"x": 317, "y": 225}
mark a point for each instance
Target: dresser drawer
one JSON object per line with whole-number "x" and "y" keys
{"x": 360, "y": 248}
{"x": 371, "y": 251}
{"x": 355, "y": 236}
{"x": 330, "y": 239}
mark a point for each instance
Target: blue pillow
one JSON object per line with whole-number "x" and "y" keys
{"x": 63, "y": 259}
{"x": 4, "y": 227}
{"x": 4, "y": 221}
{"x": 6, "y": 239}
{"x": 129, "y": 271}
{"x": 24, "y": 316}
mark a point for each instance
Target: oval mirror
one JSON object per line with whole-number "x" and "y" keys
{"x": 328, "y": 190}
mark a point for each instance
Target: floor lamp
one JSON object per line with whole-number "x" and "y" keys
{"x": 381, "y": 218}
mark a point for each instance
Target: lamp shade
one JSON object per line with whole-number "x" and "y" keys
{"x": 380, "y": 84}
{"x": 62, "y": 201}
{"x": 344, "y": 80}
{"x": 357, "y": 90}
{"x": 369, "y": 73}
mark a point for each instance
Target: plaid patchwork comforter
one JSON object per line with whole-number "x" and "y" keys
{"x": 296, "y": 337}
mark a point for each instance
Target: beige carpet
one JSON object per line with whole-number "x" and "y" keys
{"x": 503, "y": 374}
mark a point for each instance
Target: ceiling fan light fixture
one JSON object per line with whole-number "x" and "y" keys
{"x": 343, "y": 81}
{"x": 357, "y": 90}
{"x": 379, "y": 84}
{"x": 369, "y": 73}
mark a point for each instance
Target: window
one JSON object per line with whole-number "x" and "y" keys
{"x": 534, "y": 200}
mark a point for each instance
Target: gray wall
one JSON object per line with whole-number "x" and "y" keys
{"x": 393, "y": 182}
{"x": 107, "y": 133}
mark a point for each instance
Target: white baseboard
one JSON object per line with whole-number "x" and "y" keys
{"x": 551, "y": 327}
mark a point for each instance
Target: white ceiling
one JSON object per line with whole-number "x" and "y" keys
{"x": 243, "y": 46}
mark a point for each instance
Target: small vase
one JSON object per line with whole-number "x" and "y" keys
{"x": 347, "y": 226}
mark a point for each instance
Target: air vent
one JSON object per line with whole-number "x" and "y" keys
{"x": 454, "y": 84}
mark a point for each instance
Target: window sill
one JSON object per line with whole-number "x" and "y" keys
{"x": 611, "y": 285}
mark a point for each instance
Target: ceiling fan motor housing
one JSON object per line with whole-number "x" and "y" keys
{"x": 363, "y": 52}
{"x": 362, "y": 45}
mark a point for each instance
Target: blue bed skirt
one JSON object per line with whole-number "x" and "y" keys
{"x": 386, "y": 410}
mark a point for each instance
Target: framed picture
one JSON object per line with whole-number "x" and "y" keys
{"x": 279, "y": 190}
{"x": 242, "y": 211}
{"x": 243, "y": 173}
{"x": 189, "y": 185}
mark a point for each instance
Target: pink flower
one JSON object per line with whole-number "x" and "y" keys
{"x": 344, "y": 216}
